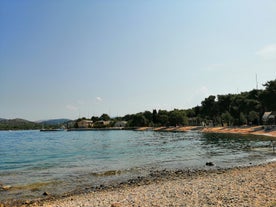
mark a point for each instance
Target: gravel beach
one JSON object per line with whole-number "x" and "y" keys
{"x": 247, "y": 186}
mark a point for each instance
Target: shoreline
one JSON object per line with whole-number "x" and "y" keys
{"x": 239, "y": 186}
{"x": 255, "y": 130}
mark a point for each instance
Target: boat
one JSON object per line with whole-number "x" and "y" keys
{"x": 51, "y": 130}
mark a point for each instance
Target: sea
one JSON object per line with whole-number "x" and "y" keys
{"x": 33, "y": 162}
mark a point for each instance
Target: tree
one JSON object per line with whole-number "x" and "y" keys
{"x": 268, "y": 96}
{"x": 242, "y": 119}
{"x": 253, "y": 117}
{"x": 154, "y": 116}
{"x": 226, "y": 117}
{"x": 95, "y": 118}
{"x": 105, "y": 117}
{"x": 177, "y": 117}
{"x": 162, "y": 118}
{"x": 209, "y": 109}
{"x": 148, "y": 116}
{"x": 224, "y": 102}
{"x": 138, "y": 120}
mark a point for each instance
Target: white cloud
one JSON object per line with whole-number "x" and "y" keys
{"x": 71, "y": 107}
{"x": 268, "y": 52}
{"x": 99, "y": 99}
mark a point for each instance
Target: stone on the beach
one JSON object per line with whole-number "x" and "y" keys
{"x": 27, "y": 202}
{"x": 210, "y": 164}
{"x": 6, "y": 187}
{"x": 116, "y": 205}
{"x": 45, "y": 193}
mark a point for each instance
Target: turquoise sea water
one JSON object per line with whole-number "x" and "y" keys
{"x": 58, "y": 162}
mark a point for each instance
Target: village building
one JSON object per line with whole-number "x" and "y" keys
{"x": 269, "y": 118}
{"x": 101, "y": 124}
{"x": 85, "y": 123}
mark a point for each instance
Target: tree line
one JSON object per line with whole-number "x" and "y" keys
{"x": 221, "y": 110}
{"x": 231, "y": 109}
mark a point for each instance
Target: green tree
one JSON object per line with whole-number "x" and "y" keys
{"x": 253, "y": 117}
{"x": 95, "y": 118}
{"x": 105, "y": 117}
{"x": 242, "y": 119}
{"x": 177, "y": 117}
{"x": 268, "y": 96}
{"x": 148, "y": 116}
{"x": 162, "y": 118}
{"x": 138, "y": 120}
{"x": 226, "y": 117}
{"x": 209, "y": 109}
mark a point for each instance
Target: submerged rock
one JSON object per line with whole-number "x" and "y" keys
{"x": 210, "y": 164}
{"x": 6, "y": 187}
{"x": 45, "y": 193}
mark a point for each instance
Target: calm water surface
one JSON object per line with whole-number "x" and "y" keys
{"x": 58, "y": 162}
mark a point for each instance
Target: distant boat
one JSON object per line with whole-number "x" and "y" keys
{"x": 51, "y": 130}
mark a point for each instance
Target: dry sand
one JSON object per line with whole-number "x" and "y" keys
{"x": 256, "y": 130}
{"x": 250, "y": 186}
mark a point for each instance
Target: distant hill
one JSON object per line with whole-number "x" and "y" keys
{"x": 16, "y": 124}
{"x": 53, "y": 122}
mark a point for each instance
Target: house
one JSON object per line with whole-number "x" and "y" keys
{"x": 84, "y": 123}
{"x": 269, "y": 118}
{"x": 101, "y": 124}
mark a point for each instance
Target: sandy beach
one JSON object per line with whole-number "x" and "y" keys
{"x": 255, "y": 130}
{"x": 249, "y": 186}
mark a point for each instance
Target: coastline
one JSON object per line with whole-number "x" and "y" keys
{"x": 253, "y": 186}
{"x": 255, "y": 130}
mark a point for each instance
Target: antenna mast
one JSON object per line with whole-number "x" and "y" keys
{"x": 256, "y": 81}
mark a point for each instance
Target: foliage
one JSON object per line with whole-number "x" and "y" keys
{"x": 18, "y": 124}
{"x": 230, "y": 109}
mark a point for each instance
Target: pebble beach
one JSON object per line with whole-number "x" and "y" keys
{"x": 247, "y": 186}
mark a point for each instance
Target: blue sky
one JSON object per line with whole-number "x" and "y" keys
{"x": 65, "y": 59}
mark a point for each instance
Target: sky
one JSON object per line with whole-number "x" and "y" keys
{"x": 71, "y": 59}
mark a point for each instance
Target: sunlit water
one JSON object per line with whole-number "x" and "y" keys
{"x": 58, "y": 162}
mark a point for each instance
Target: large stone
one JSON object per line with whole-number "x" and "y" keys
{"x": 6, "y": 187}
{"x": 210, "y": 164}
{"x": 45, "y": 193}
{"x": 116, "y": 205}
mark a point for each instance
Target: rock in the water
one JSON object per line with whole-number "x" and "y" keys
{"x": 45, "y": 193}
{"x": 6, "y": 187}
{"x": 210, "y": 164}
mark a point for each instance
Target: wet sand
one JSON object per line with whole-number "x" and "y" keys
{"x": 248, "y": 186}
